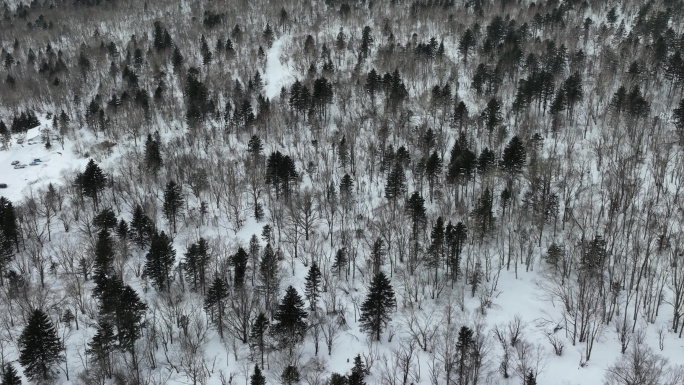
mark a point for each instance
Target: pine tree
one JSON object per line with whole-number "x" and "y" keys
{"x": 102, "y": 346}
{"x": 290, "y": 375}
{"x": 10, "y": 375}
{"x": 337, "y": 379}
{"x": 268, "y": 272}
{"x": 455, "y": 237}
{"x": 104, "y": 260}
{"x": 9, "y": 234}
{"x": 195, "y": 263}
{"x": 40, "y": 348}
{"x": 142, "y": 228}
{"x": 239, "y": 263}
{"x": 464, "y": 353}
{"x": 358, "y": 372}
{"x": 257, "y": 378}
{"x": 378, "y": 253}
{"x": 153, "y": 159}
{"x": 484, "y": 213}
{"x": 531, "y": 379}
{"x": 491, "y": 116}
{"x": 343, "y": 152}
{"x": 312, "y": 285}
{"x": 105, "y": 219}
{"x": 159, "y": 261}
{"x": 396, "y": 183}
{"x": 254, "y": 248}
{"x": 415, "y": 210}
{"x": 514, "y": 156}
{"x": 215, "y": 301}
{"x": 173, "y": 202}
{"x": 341, "y": 261}
{"x": 257, "y": 335}
{"x": 92, "y": 181}
{"x": 437, "y": 245}
{"x": 290, "y": 320}
{"x": 379, "y": 303}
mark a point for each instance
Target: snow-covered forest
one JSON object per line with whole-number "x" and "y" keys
{"x": 457, "y": 192}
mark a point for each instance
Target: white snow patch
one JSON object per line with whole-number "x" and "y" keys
{"x": 278, "y": 74}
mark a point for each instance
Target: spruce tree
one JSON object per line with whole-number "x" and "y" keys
{"x": 290, "y": 375}
{"x": 254, "y": 248}
{"x": 377, "y": 308}
{"x": 464, "y": 353}
{"x": 239, "y": 263}
{"x": 337, "y": 379}
{"x": 215, "y": 302}
{"x": 153, "y": 159}
{"x": 257, "y": 335}
{"x": 341, "y": 261}
{"x": 290, "y": 320}
{"x": 159, "y": 261}
{"x": 395, "y": 187}
{"x": 268, "y": 272}
{"x": 415, "y": 210}
{"x": 40, "y": 348}
{"x": 92, "y": 181}
{"x": 9, "y": 234}
{"x": 102, "y": 346}
{"x": 105, "y": 219}
{"x": 514, "y": 156}
{"x": 312, "y": 285}
{"x": 173, "y": 202}
{"x": 103, "y": 261}
{"x": 142, "y": 228}
{"x": 531, "y": 379}
{"x": 195, "y": 264}
{"x": 10, "y": 375}
{"x": 358, "y": 372}
{"x": 257, "y": 378}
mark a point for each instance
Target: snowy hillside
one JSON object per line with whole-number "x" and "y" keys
{"x": 342, "y": 193}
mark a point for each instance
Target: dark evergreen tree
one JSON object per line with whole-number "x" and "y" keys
{"x": 103, "y": 261}
{"x": 531, "y": 379}
{"x": 341, "y": 261}
{"x": 455, "y": 237}
{"x": 433, "y": 168}
{"x": 269, "y": 274}
{"x": 290, "y": 375}
{"x": 346, "y": 190}
{"x": 153, "y": 159}
{"x": 486, "y": 161}
{"x": 358, "y": 372}
{"x": 9, "y": 235}
{"x": 492, "y": 116}
{"x": 159, "y": 261}
{"x": 337, "y": 379}
{"x": 142, "y": 228}
{"x": 40, "y": 347}
{"x": 289, "y": 327}
{"x": 378, "y": 253}
{"x": 280, "y": 173}
{"x": 437, "y": 245}
{"x": 92, "y": 181}
{"x": 239, "y": 262}
{"x": 257, "y": 335}
{"x": 395, "y": 187}
{"x": 415, "y": 210}
{"x": 173, "y": 202}
{"x": 257, "y": 378}
{"x": 466, "y": 44}
{"x": 10, "y": 375}
{"x": 378, "y": 306}
{"x": 102, "y": 347}
{"x": 366, "y": 41}
{"x": 105, "y": 220}
{"x": 255, "y": 146}
{"x": 464, "y": 354}
{"x": 215, "y": 302}
{"x": 195, "y": 264}
{"x": 514, "y": 156}
{"x": 312, "y": 285}
{"x": 678, "y": 116}
{"x": 484, "y": 213}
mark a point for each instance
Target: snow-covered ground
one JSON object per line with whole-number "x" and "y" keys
{"x": 53, "y": 163}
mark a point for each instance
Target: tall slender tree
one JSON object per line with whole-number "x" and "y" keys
{"x": 159, "y": 261}
{"x": 173, "y": 202}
